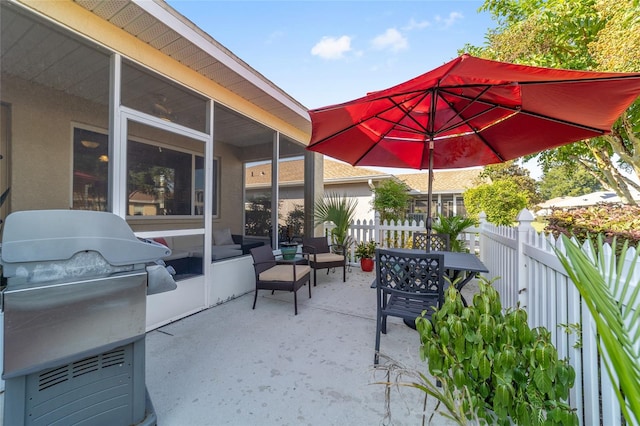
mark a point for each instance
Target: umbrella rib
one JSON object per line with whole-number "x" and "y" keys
{"x": 459, "y": 113}
{"x": 407, "y": 113}
{"x": 530, "y": 113}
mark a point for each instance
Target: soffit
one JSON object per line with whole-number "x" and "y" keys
{"x": 157, "y": 24}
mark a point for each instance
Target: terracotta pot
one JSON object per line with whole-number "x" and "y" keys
{"x": 366, "y": 263}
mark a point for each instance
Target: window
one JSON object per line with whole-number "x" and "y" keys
{"x": 159, "y": 180}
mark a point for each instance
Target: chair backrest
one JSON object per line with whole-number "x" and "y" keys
{"x": 431, "y": 241}
{"x": 415, "y": 272}
{"x": 263, "y": 258}
{"x": 319, "y": 243}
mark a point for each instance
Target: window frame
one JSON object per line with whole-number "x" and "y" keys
{"x": 194, "y": 154}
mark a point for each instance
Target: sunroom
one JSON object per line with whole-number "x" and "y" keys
{"x": 127, "y": 107}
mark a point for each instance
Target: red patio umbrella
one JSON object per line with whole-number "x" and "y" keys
{"x": 471, "y": 112}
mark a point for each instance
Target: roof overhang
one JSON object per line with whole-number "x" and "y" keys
{"x": 161, "y": 26}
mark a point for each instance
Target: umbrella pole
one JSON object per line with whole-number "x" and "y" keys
{"x": 430, "y": 187}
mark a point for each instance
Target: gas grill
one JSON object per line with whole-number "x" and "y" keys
{"x": 75, "y": 318}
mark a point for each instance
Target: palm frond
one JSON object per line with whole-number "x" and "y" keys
{"x": 605, "y": 283}
{"x": 338, "y": 209}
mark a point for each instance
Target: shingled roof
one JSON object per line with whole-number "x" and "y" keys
{"x": 292, "y": 173}
{"x": 456, "y": 180}
{"x": 335, "y": 172}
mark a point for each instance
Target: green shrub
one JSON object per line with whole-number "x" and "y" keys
{"x": 611, "y": 220}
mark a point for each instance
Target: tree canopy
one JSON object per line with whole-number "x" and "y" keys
{"x": 511, "y": 170}
{"x": 390, "y": 200}
{"x": 567, "y": 180}
{"x": 501, "y": 201}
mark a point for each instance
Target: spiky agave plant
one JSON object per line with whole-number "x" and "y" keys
{"x": 338, "y": 209}
{"x": 611, "y": 294}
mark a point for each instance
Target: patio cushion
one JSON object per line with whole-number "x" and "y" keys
{"x": 284, "y": 273}
{"x": 222, "y": 237}
{"x": 327, "y": 257}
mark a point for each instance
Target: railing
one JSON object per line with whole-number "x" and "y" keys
{"x": 527, "y": 273}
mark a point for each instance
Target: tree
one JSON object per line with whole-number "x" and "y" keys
{"x": 510, "y": 170}
{"x": 599, "y": 35}
{"x": 565, "y": 180}
{"x": 390, "y": 200}
{"x": 501, "y": 201}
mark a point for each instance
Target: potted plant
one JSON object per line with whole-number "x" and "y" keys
{"x": 366, "y": 251}
{"x": 288, "y": 247}
{"x": 489, "y": 366}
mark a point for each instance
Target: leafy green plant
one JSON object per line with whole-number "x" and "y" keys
{"x": 365, "y": 250}
{"x": 453, "y": 226}
{"x": 390, "y": 200}
{"x": 340, "y": 210}
{"x": 612, "y": 296}
{"x": 501, "y": 201}
{"x": 509, "y": 372}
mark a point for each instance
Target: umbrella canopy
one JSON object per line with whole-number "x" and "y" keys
{"x": 472, "y": 112}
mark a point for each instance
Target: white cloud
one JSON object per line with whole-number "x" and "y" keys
{"x": 331, "y": 47}
{"x": 274, "y": 36}
{"x": 391, "y": 39}
{"x": 450, "y": 20}
{"x": 415, "y": 25}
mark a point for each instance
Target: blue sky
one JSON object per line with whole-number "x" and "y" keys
{"x": 327, "y": 52}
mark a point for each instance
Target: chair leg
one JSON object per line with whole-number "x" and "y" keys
{"x": 309, "y": 285}
{"x": 255, "y": 297}
{"x": 376, "y": 357}
{"x": 344, "y": 274}
{"x": 315, "y": 277}
{"x": 295, "y": 301}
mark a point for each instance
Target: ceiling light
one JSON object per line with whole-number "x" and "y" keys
{"x": 90, "y": 144}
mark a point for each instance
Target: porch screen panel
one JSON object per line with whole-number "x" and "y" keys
{"x": 291, "y": 191}
{"x": 162, "y": 98}
{"x": 258, "y": 199}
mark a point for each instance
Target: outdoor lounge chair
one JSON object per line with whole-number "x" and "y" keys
{"x": 321, "y": 255}
{"x": 431, "y": 241}
{"x": 406, "y": 285}
{"x": 275, "y": 275}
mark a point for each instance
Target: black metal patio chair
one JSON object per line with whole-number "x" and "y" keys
{"x": 431, "y": 241}
{"x": 406, "y": 285}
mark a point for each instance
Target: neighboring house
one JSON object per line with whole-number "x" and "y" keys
{"x": 585, "y": 200}
{"x": 339, "y": 178}
{"x": 448, "y": 187}
{"x": 128, "y": 107}
{"x": 356, "y": 182}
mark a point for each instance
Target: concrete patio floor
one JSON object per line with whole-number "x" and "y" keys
{"x": 231, "y": 365}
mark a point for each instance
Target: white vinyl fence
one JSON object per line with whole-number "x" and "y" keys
{"x": 528, "y": 273}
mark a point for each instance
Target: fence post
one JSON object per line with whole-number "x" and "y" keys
{"x": 483, "y": 240}
{"x": 524, "y": 218}
{"x": 376, "y": 229}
